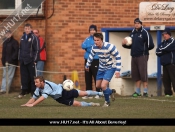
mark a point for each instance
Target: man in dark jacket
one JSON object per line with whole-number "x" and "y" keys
{"x": 10, "y": 56}
{"x": 166, "y": 52}
{"x": 29, "y": 46}
{"x": 142, "y": 42}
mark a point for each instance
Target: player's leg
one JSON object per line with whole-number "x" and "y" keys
{"x": 83, "y": 104}
{"x": 89, "y": 93}
{"x": 104, "y": 85}
{"x": 68, "y": 99}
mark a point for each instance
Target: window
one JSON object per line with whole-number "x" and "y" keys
{"x": 8, "y": 6}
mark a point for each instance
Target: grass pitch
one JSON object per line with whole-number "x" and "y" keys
{"x": 122, "y": 107}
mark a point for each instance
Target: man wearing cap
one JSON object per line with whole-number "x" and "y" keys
{"x": 10, "y": 56}
{"x": 87, "y": 45}
{"x": 166, "y": 52}
{"x": 142, "y": 42}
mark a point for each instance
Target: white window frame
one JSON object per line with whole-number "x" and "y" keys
{"x": 17, "y": 4}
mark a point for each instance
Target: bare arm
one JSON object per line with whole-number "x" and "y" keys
{"x": 33, "y": 103}
{"x": 29, "y": 102}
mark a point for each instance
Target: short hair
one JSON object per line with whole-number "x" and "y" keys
{"x": 98, "y": 35}
{"x": 28, "y": 25}
{"x": 41, "y": 78}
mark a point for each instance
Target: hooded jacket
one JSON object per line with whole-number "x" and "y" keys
{"x": 166, "y": 52}
{"x": 28, "y": 48}
{"x": 87, "y": 46}
{"x": 142, "y": 42}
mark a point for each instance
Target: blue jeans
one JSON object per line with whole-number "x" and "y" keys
{"x": 40, "y": 67}
{"x": 11, "y": 72}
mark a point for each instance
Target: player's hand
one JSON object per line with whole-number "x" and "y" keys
{"x": 23, "y": 105}
{"x": 117, "y": 74}
{"x": 29, "y": 105}
{"x": 124, "y": 41}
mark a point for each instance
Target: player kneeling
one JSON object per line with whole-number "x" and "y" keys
{"x": 46, "y": 88}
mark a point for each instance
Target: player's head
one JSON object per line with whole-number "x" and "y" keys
{"x": 137, "y": 23}
{"x": 27, "y": 28}
{"x": 92, "y": 29}
{"x": 166, "y": 33}
{"x": 98, "y": 39}
{"x": 39, "y": 81}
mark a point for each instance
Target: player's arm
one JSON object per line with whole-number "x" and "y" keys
{"x": 29, "y": 102}
{"x": 40, "y": 99}
{"x": 115, "y": 53}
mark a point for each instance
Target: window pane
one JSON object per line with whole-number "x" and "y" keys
{"x": 33, "y": 3}
{"x": 7, "y": 4}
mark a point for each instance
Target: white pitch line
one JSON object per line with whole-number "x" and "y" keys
{"x": 150, "y": 99}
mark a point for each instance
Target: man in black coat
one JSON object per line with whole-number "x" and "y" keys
{"x": 10, "y": 56}
{"x": 166, "y": 52}
{"x": 29, "y": 46}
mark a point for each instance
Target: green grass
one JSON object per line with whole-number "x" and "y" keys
{"x": 122, "y": 107}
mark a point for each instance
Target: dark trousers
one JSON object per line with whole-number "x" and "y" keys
{"x": 92, "y": 73}
{"x": 169, "y": 78}
{"x": 27, "y": 76}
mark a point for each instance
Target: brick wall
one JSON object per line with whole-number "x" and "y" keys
{"x": 68, "y": 27}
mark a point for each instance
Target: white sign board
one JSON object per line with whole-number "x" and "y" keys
{"x": 157, "y": 27}
{"x": 157, "y": 11}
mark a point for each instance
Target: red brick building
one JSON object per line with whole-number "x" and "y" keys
{"x": 64, "y": 26}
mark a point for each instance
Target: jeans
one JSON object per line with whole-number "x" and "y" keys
{"x": 40, "y": 67}
{"x": 11, "y": 72}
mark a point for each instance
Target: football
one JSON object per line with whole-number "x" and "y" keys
{"x": 68, "y": 85}
{"x": 129, "y": 40}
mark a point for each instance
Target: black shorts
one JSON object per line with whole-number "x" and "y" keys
{"x": 67, "y": 97}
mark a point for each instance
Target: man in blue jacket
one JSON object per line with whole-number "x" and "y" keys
{"x": 87, "y": 46}
{"x": 142, "y": 42}
{"x": 166, "y": 52}
{"x": 29, "y": 46}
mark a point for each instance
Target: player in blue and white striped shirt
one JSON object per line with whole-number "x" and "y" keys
{"x": 109, "y": 63}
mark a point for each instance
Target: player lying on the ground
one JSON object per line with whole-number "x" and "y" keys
{"x": 46, "y": 88}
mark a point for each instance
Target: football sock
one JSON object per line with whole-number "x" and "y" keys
{"x": 145, "y": 90}
{"x": 106, "y": 94}
{"x": 138, "y": 90}
{"x": 85, "y": 104}
{"x": 92, "y": 93}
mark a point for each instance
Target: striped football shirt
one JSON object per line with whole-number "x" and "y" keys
{"x": 109, "y": 57}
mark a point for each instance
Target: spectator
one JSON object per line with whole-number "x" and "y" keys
{"x": 166, "y": 52}
{"x": 41, "y": 54}
{"x": 9, "y": 55}
{"x": 110, "y": 63}
{"x": 46, "y": 88}
{"x": 87, "y": 45}
{"x": 29, "y": 46}
{"x": 142, "y": 42}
